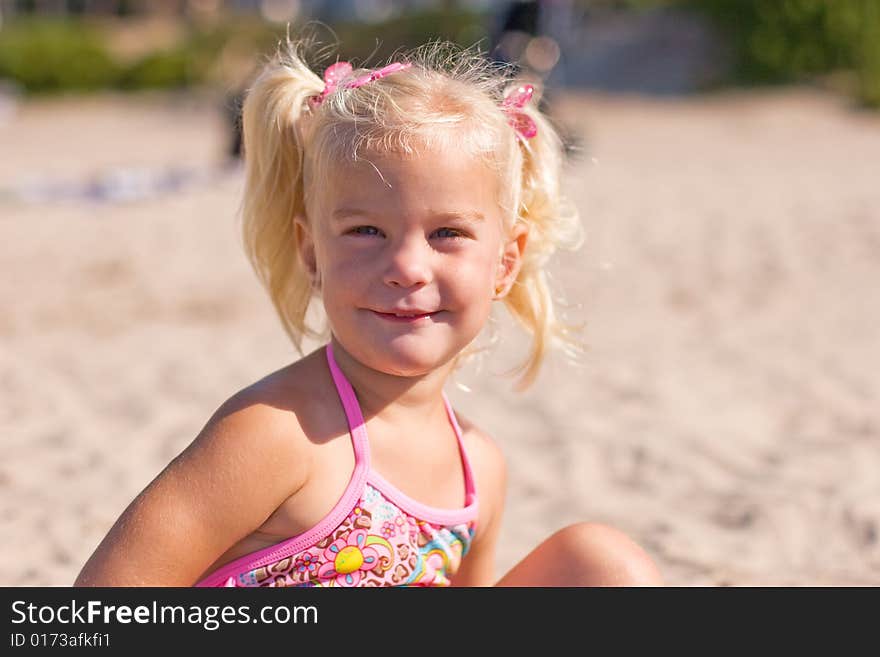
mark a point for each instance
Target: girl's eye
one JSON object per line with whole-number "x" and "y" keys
{"x": 449, "y": 233}
{"x": 365, "y": 230}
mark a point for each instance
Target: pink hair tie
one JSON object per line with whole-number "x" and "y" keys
{"x": 341, "y": 70}
{"x": 332, "y": 76}
{"x": 377, "y": 74}
{"x": 512, "y": 104}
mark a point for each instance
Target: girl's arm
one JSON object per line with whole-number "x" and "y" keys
{"x": 490, "y": 472}
{"x": 247, "y": 460}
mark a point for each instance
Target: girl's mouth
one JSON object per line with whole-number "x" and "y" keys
{"x": 405, "y": 318}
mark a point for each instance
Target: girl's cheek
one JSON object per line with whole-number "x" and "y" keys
{"x": 472, "y": 282}
{"x": 348, "y": 264}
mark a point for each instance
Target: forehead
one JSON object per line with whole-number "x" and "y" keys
{"x": 454, "y": 144}
{"x": 439, "y": 180}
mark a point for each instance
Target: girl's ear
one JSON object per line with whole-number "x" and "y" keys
{"x": 511, "y": 259}
{"x": 305, "y": 245}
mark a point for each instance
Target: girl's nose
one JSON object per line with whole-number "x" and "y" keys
{"x": 408, "y": 264}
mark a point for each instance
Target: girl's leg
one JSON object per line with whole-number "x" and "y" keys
{"x": 585, "y": 554}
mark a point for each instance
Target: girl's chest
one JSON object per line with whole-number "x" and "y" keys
{"x": 427, "y": 473}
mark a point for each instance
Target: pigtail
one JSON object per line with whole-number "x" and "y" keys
{"x": 274, "y": 118}
{"x": 552, "y": 224}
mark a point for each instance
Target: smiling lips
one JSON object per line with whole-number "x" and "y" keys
{"x": 405, "y": 316}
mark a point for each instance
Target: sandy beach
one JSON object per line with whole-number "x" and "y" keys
{"x": 725, "y": 414}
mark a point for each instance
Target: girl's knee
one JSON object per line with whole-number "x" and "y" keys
{"x": 599, "y": 555}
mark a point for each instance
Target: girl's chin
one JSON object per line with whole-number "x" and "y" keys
{"x": 406, "y": 364}
{"x": 401, "y": 351}
{"x": 404, "y": 358}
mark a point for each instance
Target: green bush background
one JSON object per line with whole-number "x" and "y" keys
{"x": 52, "y": 56}
{"x": 794, "y": 40}
{"x": 45, "y": 55}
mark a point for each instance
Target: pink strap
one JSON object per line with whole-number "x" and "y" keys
{"x": 352, "y": 411}
{"x": 359, "y": 431}
{"x": 362, "y": 455}
{"x": 470, "y": 488}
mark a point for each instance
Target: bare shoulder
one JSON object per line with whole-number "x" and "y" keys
{"x": 490, "y": 473}
{"x": 252, "y": 432}
{"x": 488, "y": 464}
{"x": 252, "y": 454}
{"x": 257, "y": 421}
{"x": 481, "y": 446}
{"x": 266, "y": 423}
{"x": 262, "y": 439}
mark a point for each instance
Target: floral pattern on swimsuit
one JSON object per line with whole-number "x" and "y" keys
{"x": 378, "y": 544}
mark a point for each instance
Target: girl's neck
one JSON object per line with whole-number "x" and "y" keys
{"x": 393, "y": 399}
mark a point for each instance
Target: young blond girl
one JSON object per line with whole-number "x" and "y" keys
{"x": 406, "y": 200}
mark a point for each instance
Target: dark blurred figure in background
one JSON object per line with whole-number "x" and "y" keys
{"x": 518, "y": 23}
{"x": 525, "y": 34}
{"x": 236, "y": 70}
{"x": 232, "y": 112}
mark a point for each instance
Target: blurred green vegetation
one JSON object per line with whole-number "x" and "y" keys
{"x": 797, "y": 40}
{"x": 784, "y": 41}
{"x": 49, "y": 55}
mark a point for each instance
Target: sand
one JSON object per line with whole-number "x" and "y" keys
{"x": 726, "y": 413}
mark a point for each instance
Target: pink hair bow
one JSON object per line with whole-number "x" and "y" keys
{"x": 513, "y": 103}
{"x": 341, "y": 70}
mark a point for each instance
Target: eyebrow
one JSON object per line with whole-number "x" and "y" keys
{"x": 342, "y": 213}
{"x": 469, "y": 216}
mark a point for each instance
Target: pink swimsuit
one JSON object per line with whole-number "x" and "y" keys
{"x": 374, "y": 536}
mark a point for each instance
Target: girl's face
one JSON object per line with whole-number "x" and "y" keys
{"x": 409, "y": 253}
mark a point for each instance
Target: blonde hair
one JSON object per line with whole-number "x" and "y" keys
{"x": 446, "y": 94}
